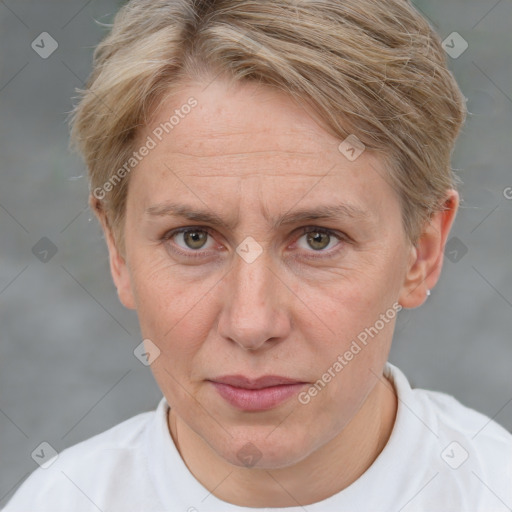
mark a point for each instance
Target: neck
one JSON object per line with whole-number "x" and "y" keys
{"x": 332, "y": 468}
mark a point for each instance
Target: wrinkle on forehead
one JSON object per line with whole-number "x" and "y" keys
{"x": 254, "y": 163}
{"x": 255, "y": 152}
{"x": 254, "y": 175}
{"x": 257, "y": 149}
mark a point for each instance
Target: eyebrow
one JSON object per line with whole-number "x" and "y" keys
{"x": 325, "y": 212}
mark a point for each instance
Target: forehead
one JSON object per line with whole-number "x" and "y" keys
{"x": 256, "y": 119}
{"x": 250, "y": 132}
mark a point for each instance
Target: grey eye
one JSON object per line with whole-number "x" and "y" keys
{"x": 194, "y": 238}
{"x": 318, "y": 240}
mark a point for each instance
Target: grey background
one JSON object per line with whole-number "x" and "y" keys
{"x": 67, "y": 369}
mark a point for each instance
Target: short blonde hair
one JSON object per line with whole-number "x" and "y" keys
{"x": 373, "y": 68}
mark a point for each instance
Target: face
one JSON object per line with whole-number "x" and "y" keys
{"x": 244, "y": 282}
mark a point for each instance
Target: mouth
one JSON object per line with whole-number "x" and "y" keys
{"x": 259, "y": 394}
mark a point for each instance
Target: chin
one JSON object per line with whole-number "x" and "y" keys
{"x": 262, "y": 450}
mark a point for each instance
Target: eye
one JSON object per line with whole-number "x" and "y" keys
{"x": 193, "y": 240}
{"x": 319, "y": 239}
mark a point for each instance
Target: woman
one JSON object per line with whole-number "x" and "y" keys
{"x": 274, "y": 184}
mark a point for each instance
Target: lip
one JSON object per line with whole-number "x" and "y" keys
{"x": 258, "y": 394}
{"x": 266, "y": 381}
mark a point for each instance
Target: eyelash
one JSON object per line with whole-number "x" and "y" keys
{"x": 200, "y": 254}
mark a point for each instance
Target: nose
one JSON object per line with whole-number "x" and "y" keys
{"x": 254, "y": 313}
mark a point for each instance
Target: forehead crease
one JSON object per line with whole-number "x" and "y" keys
{"x": 277, "y": 152}
{"x": 268, "y": 141}
{"x": 243, "y": 166}
{"x": 278, "y": 159}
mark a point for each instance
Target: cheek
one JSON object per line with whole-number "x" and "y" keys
{"x": 173, "y": 311}
{"x": 347, "y": 305}
{"x": 161, "y": 286}
{"x": 345, "y": 375}
{"x": 359, "y": 314}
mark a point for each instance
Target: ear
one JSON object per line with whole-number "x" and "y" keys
{"x": 426, "y": 259}
{"x": 118, "y": 267}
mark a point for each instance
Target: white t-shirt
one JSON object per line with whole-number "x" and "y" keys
{"x": 441, "y": 456}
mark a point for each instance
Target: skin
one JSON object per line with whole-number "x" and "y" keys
{"x": 247, "y": 152}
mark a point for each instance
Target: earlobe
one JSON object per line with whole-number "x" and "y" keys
{"x": 118, "y": 267}
{"x": 426, "y": 258}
